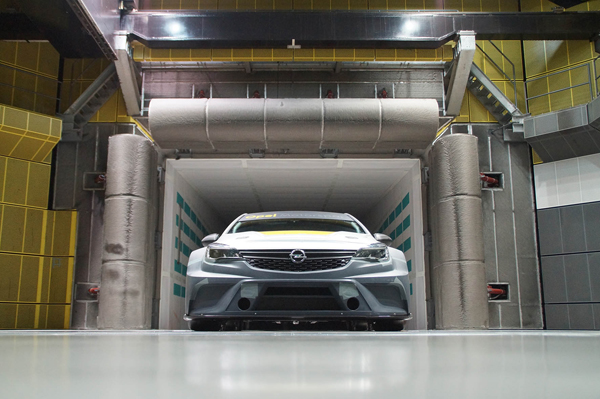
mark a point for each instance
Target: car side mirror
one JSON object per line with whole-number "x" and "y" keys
{"x": 382, "y": 238}
{"x": 209, "y": 239}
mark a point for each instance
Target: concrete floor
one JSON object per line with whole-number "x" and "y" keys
{"x": 168, "y": 364}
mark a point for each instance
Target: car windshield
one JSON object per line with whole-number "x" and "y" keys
{"x": 327, "y": 225}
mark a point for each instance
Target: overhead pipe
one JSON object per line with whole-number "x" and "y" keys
{"x": 219, "y": 123}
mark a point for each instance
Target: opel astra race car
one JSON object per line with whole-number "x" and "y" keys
{"x": 296, "y": 268}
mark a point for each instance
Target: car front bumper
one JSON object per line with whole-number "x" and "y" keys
{"x": 299, "y": 299}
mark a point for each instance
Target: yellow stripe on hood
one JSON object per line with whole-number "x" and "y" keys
{"x": 272, "y": 233}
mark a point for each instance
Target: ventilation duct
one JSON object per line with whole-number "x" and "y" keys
{"x": 300, "y": 125}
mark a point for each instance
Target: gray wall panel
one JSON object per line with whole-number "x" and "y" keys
{"x": 553, "y": 277}
{"x": 549, "y": 231}
{"x": 577, "y": 278}
{"x": 594, "y": 268}
{"x": 571, "y": 276}
{"x": 591, "y": 217}
{"x": 581, "y": 317}
{"x": 571, "y": 227}
{"x": 557, "y": 317}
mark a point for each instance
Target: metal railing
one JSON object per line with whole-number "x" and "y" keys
{"x": 35, "y": 92}
{"x": 513, "y": 80}
{"x": 596, "y": 74}
{"x": 589, "y": 82}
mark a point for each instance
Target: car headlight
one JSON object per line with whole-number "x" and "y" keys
{"x": 220, "y": 251}
{"x": 373, "y": 252}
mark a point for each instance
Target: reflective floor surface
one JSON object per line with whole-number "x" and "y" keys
{"x": 245, "y": 365}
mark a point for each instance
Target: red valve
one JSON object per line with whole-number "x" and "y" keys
{"x": 495, "y": 291}
{"x": 329, "y": 94}
{"x": 94, "y": 291}
{"x": 256, "y": 94}
{"x": 201, "y": 94}
{"x": 488, "y": 180}
{"x": 383, "y": 93}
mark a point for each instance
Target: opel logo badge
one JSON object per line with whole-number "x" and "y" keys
{"x": 297, "y": 256}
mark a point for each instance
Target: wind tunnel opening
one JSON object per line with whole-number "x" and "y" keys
{"x": 202, "y": 196}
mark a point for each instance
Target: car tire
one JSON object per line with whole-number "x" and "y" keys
{"x": 205, "y": 325}
{"x": 388, "y": 325}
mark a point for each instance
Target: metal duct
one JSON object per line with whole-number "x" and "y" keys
{"x": 459, "y": 280}
{"x": 352, "y": 125}
{"x": 125, "y": 293}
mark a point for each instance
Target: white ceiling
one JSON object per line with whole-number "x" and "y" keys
{"x": 236, "y": 186}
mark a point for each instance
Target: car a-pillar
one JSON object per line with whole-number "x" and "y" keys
{"x": 125, "y": 299}
{"x": 458, "y": 268}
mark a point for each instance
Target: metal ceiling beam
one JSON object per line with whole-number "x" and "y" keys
{"x": 64, "y": 28}
{"x": 348, "y": 29}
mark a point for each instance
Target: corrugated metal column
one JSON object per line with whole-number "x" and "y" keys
{"x": 459, "y": 281}
{"x": 125, "y": 297}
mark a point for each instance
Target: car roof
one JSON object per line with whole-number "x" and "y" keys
{"x": 297, "y": 215}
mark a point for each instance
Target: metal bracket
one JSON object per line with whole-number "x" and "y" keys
{"x": 428, "y": 241}
{"x": 128, "y": 75}
{"x": 425, "y": 175}
{"x": 464, "y": 53}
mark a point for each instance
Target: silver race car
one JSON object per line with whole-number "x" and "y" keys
{"x": 296, "y": 269}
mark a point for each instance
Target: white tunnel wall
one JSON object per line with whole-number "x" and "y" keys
{"x": 399, "y": 215}
{"x": 356, "y": 179}
{"x": 187, "y": 219}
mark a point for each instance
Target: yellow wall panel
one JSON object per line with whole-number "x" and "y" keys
{"x": 188, "y": 4}
{"x": 402, "y": 4}
{"x": 13, "y": 229}
{"x": 358, "y": 5}
{"x": 262, "y": 54}
{"x": 282, "y": 54}
{"x": 385, "y": 55}
{"x": 60, "y": 280}
{"x": 8, "y": 142}
{"x": 15, "y": 181}
{"x": 242, "y": 54}
{"x": 321, "y": 4}
{"x": 63, "y": 228}
{"x": 34, "y": 222}
{"x": 181, "y": 54}
{"x": 302, "y": 4}
{"x": 8, "y": 315}
{"x": 30, "y": 73}
{"x": 3, "y": 161}
{"x": 324, "y": 55}
{"x": 38, "y": 184}
{"x": 10, "y": 269}
{"x": 207, "y": 4}
{"x": 8, "y": 52}
{"x": 58, "y": 317}
{"x": 282, "y": 4}
{"x": 26, "y": 316}
{"x": 471, "y": 5}
{"x": 27, "y": 148}
{"x": 23, "y": 134}
{"x": 344, "y": 54}
{"x": 28, "y": 284}
{"x": 364, "y": 54}
{"x": 27, "y": 55}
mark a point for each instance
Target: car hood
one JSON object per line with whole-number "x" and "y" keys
{"x": 296, "y": 240}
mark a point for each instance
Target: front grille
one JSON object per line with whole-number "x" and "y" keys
{"x": 316, "y": 260}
